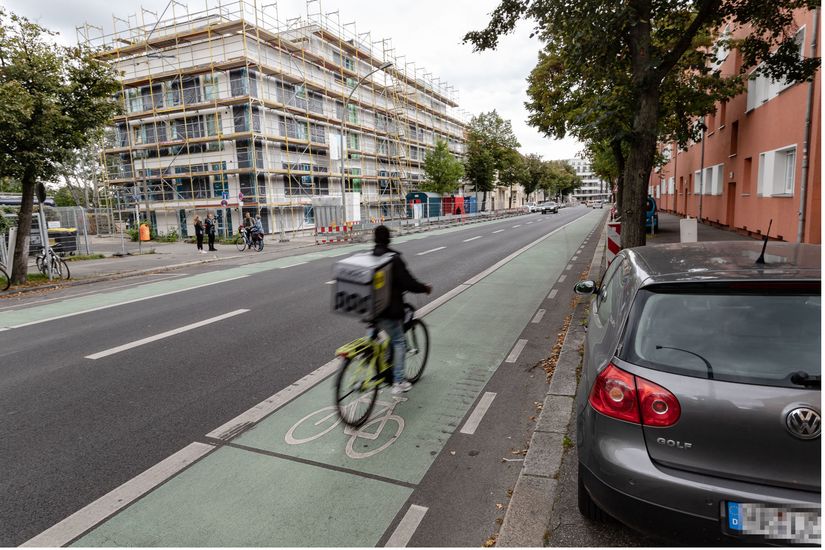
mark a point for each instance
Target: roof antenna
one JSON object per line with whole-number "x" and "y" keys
{"x": 761, "y": 258}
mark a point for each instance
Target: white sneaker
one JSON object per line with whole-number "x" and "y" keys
{"x": 401, "y": 387}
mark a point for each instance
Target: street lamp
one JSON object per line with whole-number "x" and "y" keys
{"x": 383, "y": 67}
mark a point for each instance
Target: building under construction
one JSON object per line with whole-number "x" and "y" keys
{"x": 231, "y": 110}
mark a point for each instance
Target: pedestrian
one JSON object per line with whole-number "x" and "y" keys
{"x": 211, "y": 229}
{"x": 199, "y": 234}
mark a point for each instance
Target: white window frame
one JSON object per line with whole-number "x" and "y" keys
{"x": 761, "y": 88}
{"x": 777, "y": 172}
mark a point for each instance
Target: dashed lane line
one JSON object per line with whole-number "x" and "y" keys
{"x": 167, "y": 334}
{"x": 292, "y": 265}
{"x": 472, "y": 239}
{"x": 552, "y": 294}
{"x": 562, "y": 278}
{"x": 517, "y": 349}
{"x": 499, "y": 231}
{"x": 478, "y": 413}
{"x": 400, "y": 538}
{"x": 432, "y": 250}
{"x": 538, "y": 317}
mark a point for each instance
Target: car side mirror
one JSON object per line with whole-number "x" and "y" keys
{"x": 585, "y": 287}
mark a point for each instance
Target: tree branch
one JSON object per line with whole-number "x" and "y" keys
{"x": 706, "y": 9}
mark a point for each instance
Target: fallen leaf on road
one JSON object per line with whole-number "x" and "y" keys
{"x": 499, "y": 506}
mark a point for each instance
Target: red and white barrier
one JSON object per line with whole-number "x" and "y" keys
{"x": 614, "y": 240}
{"x": 334, "y": 234}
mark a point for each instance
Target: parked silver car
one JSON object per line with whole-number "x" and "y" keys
{"x": 698, "y": 412}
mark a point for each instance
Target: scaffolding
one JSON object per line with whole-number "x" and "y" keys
{"x": 232, "y": 110}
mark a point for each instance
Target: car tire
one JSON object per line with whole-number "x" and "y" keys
{"x": 587, "y": 507}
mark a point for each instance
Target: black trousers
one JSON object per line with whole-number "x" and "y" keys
{"x": 199, "y": 238}
{"x": 211, "y": 241}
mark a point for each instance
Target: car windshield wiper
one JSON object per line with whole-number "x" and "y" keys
{"x": 802, "y": 378}
{"x": 705, "y": 361}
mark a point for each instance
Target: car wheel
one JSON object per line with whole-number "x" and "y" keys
{"x": 587, "y": 507}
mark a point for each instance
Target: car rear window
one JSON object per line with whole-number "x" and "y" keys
{"x": 753, "y": 333}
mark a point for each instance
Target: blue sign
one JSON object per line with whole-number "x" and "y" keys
{"x": 225, "y": 195}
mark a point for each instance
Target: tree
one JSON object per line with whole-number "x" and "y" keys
{"x": 81, "y": 172}
{"x": 64, "y": 196}
{"x": 442, "y": 169}
{"x": 535, "y": 174}
{"x": 560, "y": 178}
{"x": 490, "y": 146}
{"x": 8, "y": 185}
{"x": 632, "y": 61}
{"x": 53, "y": 100}
{"x": 514, "y": 172}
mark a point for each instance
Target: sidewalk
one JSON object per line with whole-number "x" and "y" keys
{"x": 535, "y": 510}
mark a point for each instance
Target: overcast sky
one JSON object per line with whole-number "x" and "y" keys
{"x": 427, "y": 32}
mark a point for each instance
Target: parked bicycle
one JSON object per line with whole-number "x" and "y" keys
{"x": 5, "y": 280}
{"x": 367, "y": 365}
{"x": 247, "y": 239}
{"x": 48, "y": 259}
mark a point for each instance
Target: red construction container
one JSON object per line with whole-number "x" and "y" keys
{"x": 453, "y": 205}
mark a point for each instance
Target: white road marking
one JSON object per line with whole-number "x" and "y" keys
{"x": 166, "y": 334}
{"x": 332, "y": 282}
{"x": 552, "y": 294}
{"x": 562, "y": 278}
{"x": 499, "y": 231}
{"x": 528, "y": 223}
{"x": 472, "y": 239}
{"x": 519, "y": 225}
{"x": 517, "y": 349}
{"x": 292, "y": 265}
{"x": 576, "y": 257}
{"x": 568, "y": 267}
{"x": 433, "y": 250}
{"x": 539, "y": 315}
{"x": 79, "y": 294}
{"x": 86, "y": 518}
{"x": 90, "y": 310}
{"x": 271, "y": 404}
{"x": 406, "y": 527}
{"x": 478, "y": 413}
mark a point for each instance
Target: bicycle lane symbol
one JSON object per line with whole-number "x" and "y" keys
{"x": 326, "y": 419}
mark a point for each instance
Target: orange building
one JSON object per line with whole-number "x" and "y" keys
{"x": 751, "y": 167}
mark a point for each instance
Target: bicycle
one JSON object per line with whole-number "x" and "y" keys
{"x": 367, "y": 365}
{"x": 245, "y": 240}
{"x": 49, "y": 260}
{"x": 5, "y": 280}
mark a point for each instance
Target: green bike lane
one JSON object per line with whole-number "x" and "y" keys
{"x": 298, "y": 478}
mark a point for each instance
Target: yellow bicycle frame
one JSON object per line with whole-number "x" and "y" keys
{"x": 378, "y": 353}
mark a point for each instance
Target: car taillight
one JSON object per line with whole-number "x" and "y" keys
{"x": 619, "y": 394}
{"x": 614, "y": 394}
{"x": 659, "y": 407}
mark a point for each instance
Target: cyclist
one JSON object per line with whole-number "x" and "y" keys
{"x": 391, "y": 319}
{"x": 257, "y": 229}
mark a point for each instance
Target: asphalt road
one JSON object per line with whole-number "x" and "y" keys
{"x": 73, "y": 429}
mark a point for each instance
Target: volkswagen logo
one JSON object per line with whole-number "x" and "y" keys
{"x": 804, "y": 423}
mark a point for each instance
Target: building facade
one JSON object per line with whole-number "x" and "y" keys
{"x": 592, "y": 188}
{"x": 760, "y": 159}
{"x": 231, "y": 111}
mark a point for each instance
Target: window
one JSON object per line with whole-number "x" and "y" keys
{"x": 213, "y": 124}
{"x": 353, "y": 142}
{"x": 210, "y": 86}
{"x": 220, "y": 181}
{"x": 734, "y": 138}
{"x": 191, "y": 90}
{"x": 671, "y": 185}
{"x": 172, "y": 92}
{"x": 762, "y": 88}
{"x": 238, "y": 82}
{"x": 697, "y": 182}
{"x": 723, "y": 111}
{"x": 352, "y": 114}
{"x": 777, "y": 172}
{"x": 747, "y": 186}
{"x": 134, "y": 101}
{"x": 607, "y": 299}
{"x": 240, "y": 116}
{"x": 242, "y": 150}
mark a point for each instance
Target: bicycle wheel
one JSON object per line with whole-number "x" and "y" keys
{"x": 354, "y": 394}
{"x": 259, "y": 244}
{"x": 240, "y": 243}
{"x": 63, "y": 269}
{"x": 418, "y": 350}
{"x": 41, "y": 264}
{"x": 5, "y": 280}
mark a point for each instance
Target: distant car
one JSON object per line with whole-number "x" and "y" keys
{"x": 549, "y": 206}
{"x": 532, "y": 207}
{"x": 597, "y": 204}
{"x": 698, "y": 413}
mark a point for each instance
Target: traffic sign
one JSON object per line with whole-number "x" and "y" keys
{"x": 240, "y": 197}
{"x": 225, "y": 195}
{"x": 224, "y": 202}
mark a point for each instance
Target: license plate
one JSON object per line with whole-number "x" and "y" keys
{"x": 800, "y": 525}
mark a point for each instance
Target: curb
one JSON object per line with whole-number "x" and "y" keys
{"x": 530, "y": 512}
{"x": 126, "y": 274}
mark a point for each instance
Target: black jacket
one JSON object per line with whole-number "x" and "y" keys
{"x": 199, "y": 229}
{"x": 402, "y": 281}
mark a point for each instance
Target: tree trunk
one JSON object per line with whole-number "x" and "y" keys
{"x": 483, "y": 202}
{"x": 618, "y": 156}
{"x": 638, "y": 168}
{"x": 20, "y": 262}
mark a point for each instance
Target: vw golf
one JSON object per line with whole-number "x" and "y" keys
{"x": 698, "y": 413}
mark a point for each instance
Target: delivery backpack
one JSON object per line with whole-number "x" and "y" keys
{"x": 362, "y": 285}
